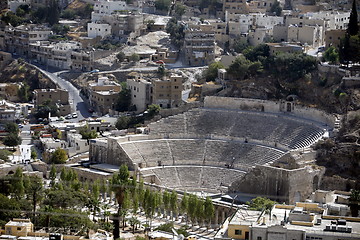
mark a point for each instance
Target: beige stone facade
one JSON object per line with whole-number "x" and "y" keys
{"x": 199, "y": 44}
{"x": 17, "y": 39}
{"x": 19, "y": 227}
{"x": 103, "y": 95}
{"x": 167, "y": 93}
{"x": 333, "y": 37}
{"x": 59, "y": 97}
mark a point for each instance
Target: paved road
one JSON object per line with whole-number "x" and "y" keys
{"x": 77, "y": 103}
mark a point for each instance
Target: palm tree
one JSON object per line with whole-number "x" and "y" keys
{"x": 120, "y": 182}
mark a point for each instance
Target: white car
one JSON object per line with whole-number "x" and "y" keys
{"x": 69, "y": 116}
{"x": 74, "y": 115}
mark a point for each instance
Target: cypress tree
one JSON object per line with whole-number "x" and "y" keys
{"x": 353, "y": 27}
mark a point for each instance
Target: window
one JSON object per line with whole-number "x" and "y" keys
{"x": 237, "y": 232}
{"x": 18, "y": 228}
{"x": 259, "y": 238}
{"x": 176, "y": 87}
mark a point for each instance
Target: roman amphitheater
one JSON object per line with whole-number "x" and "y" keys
{"x": 227, "y": 146}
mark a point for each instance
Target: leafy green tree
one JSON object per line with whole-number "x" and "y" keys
{"x": 240, "y": 45}
{"x": 120, "y": 182}
{"x": 12, "y": 140}
{"x": 123, "y": 122}
{"x": 180, "y": 9}
{"x": 239, "y": 68}
{"x": 353, "y": 27}
{"x": 68, "y": 14}
{"x": 13, "y": 19}
{"x": 354, "y": 202}
{"x": 173, "y": 202}
{"x": 52, "y": 175}
{"x": 124, "y": 101}
{"x": 331, "y": 55}
{"x": 200, "y": 210}
{"x": 59, "y": 156}
{"x": 276, "y": 8}
{"x": 192, "y": 205}
{"x": 46, "y": 108}
{"x": 33, "y": 154}
{"x": 134, "y": 57}
{"x": 261, "y": 203}
{"x": 260, "y": 53}
{"x": 11, "y": 127}
{"x": 23, "y": 93}
{"x": 53, "y": 12}
{"x": 176, "y": 32}
{"x": 212, "y": 71}
{"x": 166, "y": 200}
{"x": 86, "y": 133}
{"x": 209, "y": 209}
{"x": 121, "y": 56}
{"x": 163, "y": 5}
{"x": 184, "y": 204}
{"x": 293, "y": 66}
{"x": 39, "y": 15}
{"x": 153, "y": 110}
{"x": 13, "y": 209}
{"x": 17, "y": 184}
{"x": 4, "y": 154}
{"x": 35, "y": 192}
{"x": 133, "y": 221}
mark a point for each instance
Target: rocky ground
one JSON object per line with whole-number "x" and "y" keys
{"x": 19, "y": 71}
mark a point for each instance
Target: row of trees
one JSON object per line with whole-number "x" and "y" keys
{"x": 256, "y": 60}
{"x": 58, "y": 204}
{"x": 152, "y": 202}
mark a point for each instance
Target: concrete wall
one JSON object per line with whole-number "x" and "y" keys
{"x": 283, "y": 185}
{"x": 269, "y": 106}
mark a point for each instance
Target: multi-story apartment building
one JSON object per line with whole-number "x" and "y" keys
{"x": 334, "y": 19}
{"x": 60, "y": 97}
{"x": 141, "y": 92}
{"x": 260, "y": 6}
{"x": 105, "y": 8}
{"x": 17, "y": 39}
{"x": 235, "y": 7}
{"x": 103, "y": 95}
{"x": 199, "y": 44}
{"x": 125, "y": 23}
{"x": 98, "y": 29}
{"x": 54, "y": 54}
{"x": 82, "y": 60}
{"x": 167, "y": 92}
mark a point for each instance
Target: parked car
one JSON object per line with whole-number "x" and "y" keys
{"x": 74, "y": 115}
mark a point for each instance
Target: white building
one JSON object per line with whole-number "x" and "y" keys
{"x": 54, "y": 54}
{"x": 98, "y": 29}
{"x": 335, "y": 20}
{"x": 140, "y": 93}
{"x": 75, "y": 144}
{"x": 106, "y": 7}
